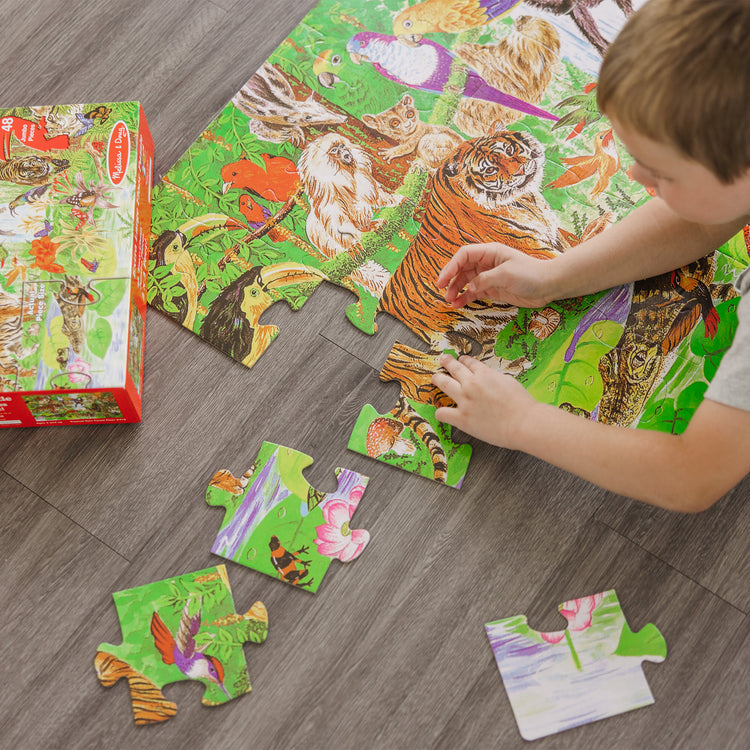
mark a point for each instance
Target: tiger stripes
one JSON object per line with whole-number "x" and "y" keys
{"x": 487, "y": 191}
{"x": 149, "y": 704}
{"x": 405, "y": 414}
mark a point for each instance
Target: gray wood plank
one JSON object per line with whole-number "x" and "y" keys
{"x": 710, "y": 547}
{"x": 719, "y": 717}
{"x": 56, "y": 579}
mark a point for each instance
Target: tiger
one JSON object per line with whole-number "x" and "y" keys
{"x": 31, "y": 169}
{"x": 386, "y": 434}
{"x": 12, "y": 350}
{"x": 149, "y": 704}
{"x": 486, "y": 191}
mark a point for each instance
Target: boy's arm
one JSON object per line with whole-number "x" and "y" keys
{"x": 687, "y": 472}
{"x": 649, "y": 241}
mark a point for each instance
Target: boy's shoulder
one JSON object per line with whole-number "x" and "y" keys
{"x": 742, "y": 285}
{"x": 729, "y": 385}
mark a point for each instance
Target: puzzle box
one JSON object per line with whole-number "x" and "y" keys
{"x": 75, "y": 218}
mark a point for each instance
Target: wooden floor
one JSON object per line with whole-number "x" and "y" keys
{"x": 391, "y": 653}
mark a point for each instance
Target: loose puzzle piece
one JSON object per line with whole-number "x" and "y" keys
{"x": 591, "y": 670}
{"x": 276, "y": 523}
{"x": 181, "y": 628}
{"x": 410, "y": 438}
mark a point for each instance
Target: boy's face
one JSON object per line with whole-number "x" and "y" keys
{"x": 686, "y": 186}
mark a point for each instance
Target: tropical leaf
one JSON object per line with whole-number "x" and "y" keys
{"x": 673, "y": 415}
{"x": 713, "y": 349}
{"x": 99, "y": 337}
{"x": 577, "y": 382}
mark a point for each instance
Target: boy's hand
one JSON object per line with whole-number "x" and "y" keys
{"x": 495, "y": 272}
{"x": 489, "y": 405}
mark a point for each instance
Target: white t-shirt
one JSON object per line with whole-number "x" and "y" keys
{"x": 731, "y": 384}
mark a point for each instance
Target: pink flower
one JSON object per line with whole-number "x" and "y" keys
{"x": 578, "y": 611}
{"x": 554, "y": 637}
{"x": 79, "y": 371}
{"x": 356, "y": 495}
{"x": 335, "y": 537}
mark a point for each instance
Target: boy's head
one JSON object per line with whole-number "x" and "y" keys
{"x": 678, "y": 73}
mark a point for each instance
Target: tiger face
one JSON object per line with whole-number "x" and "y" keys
{"x": 496, "y": 169}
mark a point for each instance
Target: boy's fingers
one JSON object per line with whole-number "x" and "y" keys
{"x": 456, "y": 287}
{"x": 448, "y": 385}
{"x": 447, "y": 275}
{"x": 447, "y": 414}
{"x": 471, "y": 364}
{"x": 454, "y": 366}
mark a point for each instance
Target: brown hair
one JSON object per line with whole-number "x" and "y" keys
{"x": 679, "y": 73}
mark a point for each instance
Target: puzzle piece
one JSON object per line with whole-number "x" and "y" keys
{"x": 276, "y": 523}
{"x": 564, "y": 679}
{"x": 181, "y": 628}
{"x": 410, "y": 438}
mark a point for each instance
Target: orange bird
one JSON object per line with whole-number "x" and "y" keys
{"x": 698, "y": 304}
{"x": 604, "y": 162}
{"x": 276, "y": 180}
{"x": 449, "y": 16}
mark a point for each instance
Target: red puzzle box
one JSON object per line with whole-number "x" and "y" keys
{"x": 75, "y": 218}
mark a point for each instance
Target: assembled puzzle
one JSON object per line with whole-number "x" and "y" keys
{"x": 380, "y": 137}
{"x": 75, "y": 217}
{"x": 182, "y": 628}
{"x": 275, "y": 522}
{"x": 589, "y": 671}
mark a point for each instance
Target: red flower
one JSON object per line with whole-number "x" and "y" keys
{"x": 45, "y": 252}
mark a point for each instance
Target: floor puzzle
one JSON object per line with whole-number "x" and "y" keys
{"x": 589, "y": 671}
{"x": 276, "y": 523}
{"x": 181, "y": 628}
{"x": 379, "y": 138}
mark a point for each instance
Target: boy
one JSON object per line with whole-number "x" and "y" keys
{"x": 676, "y": 87}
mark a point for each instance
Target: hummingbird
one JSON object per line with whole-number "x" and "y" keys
{"x": 181, "y": 650}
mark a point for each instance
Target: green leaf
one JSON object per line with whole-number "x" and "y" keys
{"x": 99, "y": 337}
{"x": 112, "y": 291}
{"x": 673, "y": 415}
{"x": 713, "y": 349}
{"x": 577, "y": 382}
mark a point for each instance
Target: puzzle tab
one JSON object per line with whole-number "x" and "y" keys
{"x": 589, "y": 671}
{"x": 181, "y": 628}
{"x": 276, "y": 523}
